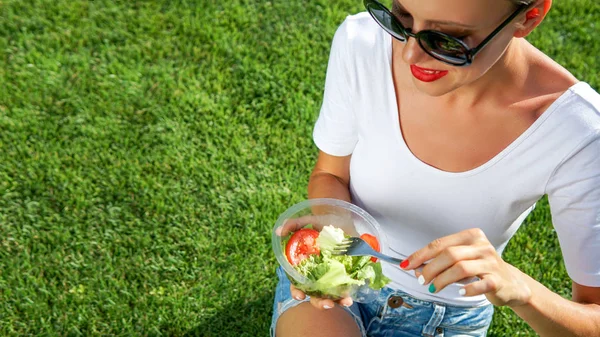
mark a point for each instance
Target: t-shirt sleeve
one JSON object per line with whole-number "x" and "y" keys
{"x": 574, "y": 197}
{"x": 335, "y": 131}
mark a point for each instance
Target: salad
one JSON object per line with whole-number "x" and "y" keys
{"x": 332, "y": 276}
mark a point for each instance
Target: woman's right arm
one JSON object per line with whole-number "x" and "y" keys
{"x": 330, "y": 178}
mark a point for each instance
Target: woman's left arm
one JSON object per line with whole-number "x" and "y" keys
{"x": 552, "y": 315}
{"x": 469, "y": 253}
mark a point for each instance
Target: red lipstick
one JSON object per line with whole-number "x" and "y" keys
{"x": 427, "y": 75}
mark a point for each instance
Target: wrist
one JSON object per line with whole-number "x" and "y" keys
{"x": 523, "y": 283}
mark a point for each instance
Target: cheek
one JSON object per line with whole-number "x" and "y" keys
{"x": 489, "y": 55}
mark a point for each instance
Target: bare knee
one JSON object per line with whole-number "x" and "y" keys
{"x": 305, "y": 320}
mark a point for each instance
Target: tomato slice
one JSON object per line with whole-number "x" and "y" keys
{"x": 372, "y": 241}
{"x": 302, "y": 244}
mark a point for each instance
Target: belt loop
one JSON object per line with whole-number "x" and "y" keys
{"x": 435, "y": 320}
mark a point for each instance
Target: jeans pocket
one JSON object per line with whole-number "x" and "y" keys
{"x": 396, "y": 318}
{"x": 467, "y": 322}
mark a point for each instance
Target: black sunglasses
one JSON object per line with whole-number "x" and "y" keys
{"x": 440, "y": 46}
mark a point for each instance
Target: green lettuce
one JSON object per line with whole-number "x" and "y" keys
{"x": 337, "y": 276}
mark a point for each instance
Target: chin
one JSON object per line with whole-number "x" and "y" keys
{"x": 434, "y": 89}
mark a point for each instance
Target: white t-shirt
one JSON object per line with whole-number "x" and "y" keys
{"x": 414, "y": 203}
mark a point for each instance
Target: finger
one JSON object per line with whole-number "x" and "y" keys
{"x": 448, "y": 258}
{"x": 463, "y": 272}
{"x": 487, "y": 284}
{"x": 346, "y": 301}
{"x": 336, "y": 219}
{"x": 321, "y": 303}
{"x": 419, "y": 271}
{"x": 292, "y": 225}
{"x": 297, "y": 294}
{"x": 317, "y": 222}
{"x": 435, "y": 247}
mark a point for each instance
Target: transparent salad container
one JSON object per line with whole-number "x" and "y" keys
{"x": 318, "y": 213}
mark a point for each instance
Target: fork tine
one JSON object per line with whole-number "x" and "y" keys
{"x": 340, "y": 249}
{"x": 343, "y": 247}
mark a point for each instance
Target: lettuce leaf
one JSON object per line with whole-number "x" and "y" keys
{"x": 335, "y": 276}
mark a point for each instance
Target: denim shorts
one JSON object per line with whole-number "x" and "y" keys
{"x": 397, "y": 314}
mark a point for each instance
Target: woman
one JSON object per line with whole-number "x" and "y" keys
{"x": 447, "y": 126}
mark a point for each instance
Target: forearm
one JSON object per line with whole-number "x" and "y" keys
{"x": 552, "y": 315}
{"x": 325, "y": 185}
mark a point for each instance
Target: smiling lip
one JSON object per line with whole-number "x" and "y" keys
{"x": 427, "y": 75}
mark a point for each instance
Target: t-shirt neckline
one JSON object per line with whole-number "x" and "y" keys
{"x": 514, "y": 144}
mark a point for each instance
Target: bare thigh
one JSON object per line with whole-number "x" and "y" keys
{"x": 304, "y": 320}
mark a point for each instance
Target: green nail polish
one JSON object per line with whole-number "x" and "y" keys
{"x": 431, "y": 288}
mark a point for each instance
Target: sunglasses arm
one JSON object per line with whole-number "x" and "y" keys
{"x": 497, "y": 30}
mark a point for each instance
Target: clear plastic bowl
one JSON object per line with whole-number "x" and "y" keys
{"x": 353, "y": 220}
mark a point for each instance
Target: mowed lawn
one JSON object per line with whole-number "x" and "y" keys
{"x": 147, "y": 148}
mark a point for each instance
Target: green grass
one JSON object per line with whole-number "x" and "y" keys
{"x": 147, "y": 147}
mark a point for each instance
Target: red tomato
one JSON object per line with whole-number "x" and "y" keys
{"x": 372, "y": 241}
{"x": 302, "y": 244}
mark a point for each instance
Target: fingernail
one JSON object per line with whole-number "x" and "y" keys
{"x": 404, "y": 264}
{"x": 327, "y": 307}
{"x": 431, "y": 288}
{"x": 347, "y": 305}
{"x": 462, "y": 291}
{"x": 297, "y": 298}
{"x": 421, "y": 280}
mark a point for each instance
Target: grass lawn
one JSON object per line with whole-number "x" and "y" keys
{"x": 147, "y": 147}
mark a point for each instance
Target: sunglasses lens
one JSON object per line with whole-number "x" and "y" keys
{"x": 444, "y": 48}
{"x": 386, "y": 20}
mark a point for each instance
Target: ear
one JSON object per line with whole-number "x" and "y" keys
{"x": 533, "y": 17}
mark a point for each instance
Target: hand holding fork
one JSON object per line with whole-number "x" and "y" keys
{"x": 355, "y": 246}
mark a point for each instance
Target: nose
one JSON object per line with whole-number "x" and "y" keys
{"x": 412, "y": 52}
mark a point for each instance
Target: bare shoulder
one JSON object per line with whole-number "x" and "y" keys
{"x": 546, "y": 80}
